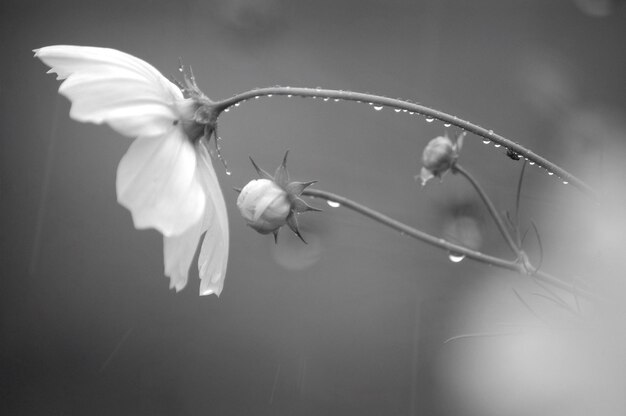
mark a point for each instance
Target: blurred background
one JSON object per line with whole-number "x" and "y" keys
{"x": 353, "y": 323}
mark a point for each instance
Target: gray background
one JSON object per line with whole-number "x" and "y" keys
{"x": 351, "y": 323}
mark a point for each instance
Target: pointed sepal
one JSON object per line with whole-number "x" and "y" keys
{"x": 299, "y": 205}
{"x": 281, "y": 176}
{"x": 292, "y": 222}
{"x": 263, "y": 174}
{"x": 296, "y": 188}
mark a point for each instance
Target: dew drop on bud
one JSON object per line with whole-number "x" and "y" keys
{"x": 333, "y": 204}
{"x": 378, "y": 107}
{"x": 455, "y": 257}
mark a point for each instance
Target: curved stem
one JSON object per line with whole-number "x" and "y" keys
{"x": 442, "y": 243}
{"x": 492, "y": 209}
{"x": 413, "y": 108}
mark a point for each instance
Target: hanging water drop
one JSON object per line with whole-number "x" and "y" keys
{"x": 550, "y": 173}
{"x": 333, "y": 204}
{"x": 228, "y": 172}
{"x": 496, "y": 145}
{"x": 486, "y": 141}
{"x": 289, "y": 95}
{"x": 326, "y": 99}
{"x": 565, "y": 182}
{"x": 336, "y": 100}
{"x": 429, "y": 119}
{"x": 405, "y": 111}
{"x": 256, "y": 97}
{"x": 237, "y": 104}
{"x": 411, "y": 112}
{"x": 531, "y": 163}
{"x": 270, "y": 95}
{"x": 397, "y": 110}
{"x": 447, "y": 124}
{"x": 456, "y": 257}
{"x": 378, "y": 107}
{"x": 226, "y": 110}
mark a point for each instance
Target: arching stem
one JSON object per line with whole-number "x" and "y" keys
{"x": 444, "y": 244}
{"x": 446, "y": 118}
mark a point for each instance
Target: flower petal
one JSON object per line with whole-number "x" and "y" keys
{"x": 178, "y": 253}
{"x": 109, "y": 86}
{"x": 213, "y": 257}
{"x": 157, "y": 182}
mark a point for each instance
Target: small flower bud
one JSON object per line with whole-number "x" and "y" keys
{"x": 439, "y": 156}
{"x": 272, "y": 201}
{"x": 264, "y": 205}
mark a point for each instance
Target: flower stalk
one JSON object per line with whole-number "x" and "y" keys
{"x": 428, "y": 112}
{"x": 442, "y": 243}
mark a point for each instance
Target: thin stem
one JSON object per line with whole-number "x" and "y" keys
{"x": 414, "y": 108}
{"x": 457, "y": 168}
{"x": 442, "y": 243}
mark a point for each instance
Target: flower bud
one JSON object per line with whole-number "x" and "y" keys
{"x": 264, "y": 205}
{"x": 439, "y": 156}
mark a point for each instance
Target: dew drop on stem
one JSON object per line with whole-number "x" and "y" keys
{"x": 455, "y": 257}
{"x": 333, "y": 204}
{"x": 429, "y": 119}
{"x": 378, "y": 107}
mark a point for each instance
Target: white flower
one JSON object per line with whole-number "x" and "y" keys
{"x": 166, "y": 179}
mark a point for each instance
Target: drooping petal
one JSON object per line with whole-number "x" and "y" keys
{"x": 178, "y": 253}
{"x": 157, "y": 182}
{"x": 109, "y": 86}
{"x": 213, "y": 257}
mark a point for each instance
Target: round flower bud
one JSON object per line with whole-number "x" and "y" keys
{"x": 439, "y": 155}
{"x": 264, "y": 205}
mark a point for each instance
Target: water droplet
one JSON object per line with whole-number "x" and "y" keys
{"x": 270, "y": 95}
{"x": 336, "y": 100}
{"x": 456, "y": 257}
{"x": 326, "y": 99}
{"x": 226, "y": 110}
{"x": 256, "y": 97}
{"x": 565, "y": 182}
{"x": 370, "y": 103}
{"x": 405, "y": 111}
{"x": 531, "y": 163}
{"x": 429, "y": 119}
{"x": 496, "y": 145}
{"x": 411, "y": 112}
{"x": 333, "y": 204}
{"x": 237, "y": 104}
{"x": 550, "y": 173}
{"x": 289, "y": 95}
{"x": 486, "y": 141}
{"x": 490, "y": 132}
{"x": 447, "y": 124}
{"x": 378, "y": 107}
{"x": 397, "y": 110}
{"x": 228, "y": 172}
